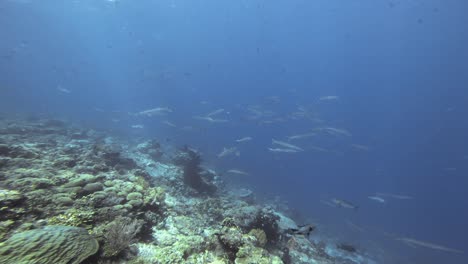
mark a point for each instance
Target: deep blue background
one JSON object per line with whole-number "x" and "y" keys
{"x": 400, "y": 69}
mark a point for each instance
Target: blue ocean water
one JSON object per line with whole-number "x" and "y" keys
{"x": 381, "y": 84}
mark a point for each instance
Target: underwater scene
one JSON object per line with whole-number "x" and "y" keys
{"x": 233, "y": 131}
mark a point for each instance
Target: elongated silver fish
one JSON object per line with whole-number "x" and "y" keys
{"x": 377, "y": 199}
{"x": 360, "y": 147}
{"x": 286, "y": 145}
{"x": 328, "y": 98}
{"x": 395, "y": 196}
{"x": 155, "y": 111}
{"x": 63, "y": 90}
{"x": 228, "y": 151}
{"x": 344, "y": 204}
{"x": 284, "y": 150}
{"x": 301, "y": 136}
{"x": 244, "y": 139}
{"x": 414, "y": 242}
{"x": 236, "y": 171}
{"x": 210, "y": 119}
{"x": 169, "y": 123}
{"x": 215, "y": 112}
{"x": 334, "y": 131}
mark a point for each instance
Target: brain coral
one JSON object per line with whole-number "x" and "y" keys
{"x": 51, "y": 244}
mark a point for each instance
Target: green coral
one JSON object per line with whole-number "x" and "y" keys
{"x": 8, "y": 197}
{"x": 52, "y": 244}
{"x": 141, "y": 181}
{"x": 81, "y": 181}
{"x": 74, "y": 217}
{"x": 154, "y": 196}
{"x": 134, "y": 196}
{"x": 5, "y": 226}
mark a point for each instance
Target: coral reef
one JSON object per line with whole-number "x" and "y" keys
{"x": 67, "y": 187}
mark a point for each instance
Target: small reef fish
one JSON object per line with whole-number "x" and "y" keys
{"x": 138, "y": 126}
{"x": 229, "y": 151}
{"x": 329, "y": 98}
{"x": 236, "y": 171}
{"x": 155, "y": 111}
{"x": 395, "y": 196}
{"x": 284, "y": 150}
{"x": 304, "y": 230}
{"x": 244, "y": 139}
{"x": 215, "y": 112}
{"x": 377, "y": 199}
{"x": 286, "y": 145}
{"x": 301, "y": 136}
{"x": 344, "y": 204}
{"x": 413, "y": 242}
